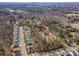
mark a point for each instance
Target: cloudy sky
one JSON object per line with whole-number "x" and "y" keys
{"x": 39, "y": 0}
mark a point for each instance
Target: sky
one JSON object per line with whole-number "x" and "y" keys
{"x": 39, "y": 0}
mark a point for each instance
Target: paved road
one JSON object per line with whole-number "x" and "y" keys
{"x": 21, "y": 41}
